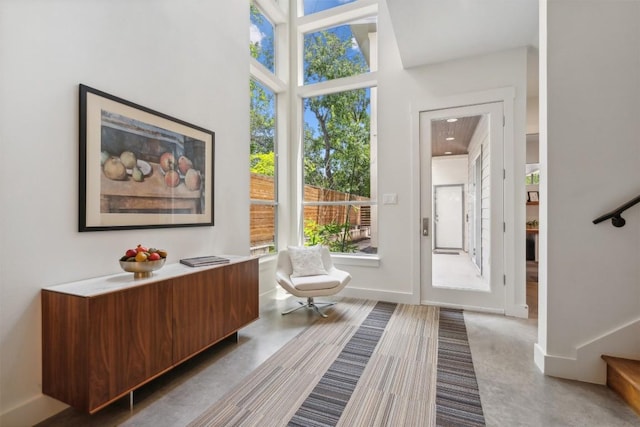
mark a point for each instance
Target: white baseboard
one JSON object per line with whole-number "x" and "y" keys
{"x": 587, "y": 364}
{"x": 262, "y": 293}
{"x": 378, "y": 295}
{"x": 31, "y": 412}
{"x": 538, "y": 357}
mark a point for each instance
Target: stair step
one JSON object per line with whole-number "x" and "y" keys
{"x": 623, "y": 377}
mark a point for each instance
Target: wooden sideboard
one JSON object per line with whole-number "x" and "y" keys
{"x": 102, "y": 338}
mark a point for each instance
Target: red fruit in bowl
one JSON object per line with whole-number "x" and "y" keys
{"x": 153, "y": 256}
{"x": 172, "y": 178}
{"x": 131, "y": 252}
{"x": 167, "y": 161}
{"x": 184, "y": 164}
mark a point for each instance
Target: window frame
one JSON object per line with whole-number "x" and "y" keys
{"x": 344, "y": 8}
{"x": 277, "y": 84}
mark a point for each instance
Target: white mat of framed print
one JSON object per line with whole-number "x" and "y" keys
{"x": 140, "y": 168}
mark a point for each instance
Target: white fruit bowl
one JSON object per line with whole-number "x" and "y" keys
{"x": 142, "y": 269}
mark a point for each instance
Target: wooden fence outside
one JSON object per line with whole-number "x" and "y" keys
{"x": 262, "y": 217}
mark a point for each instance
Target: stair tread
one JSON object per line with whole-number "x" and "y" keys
{"x": 628, "y": 368}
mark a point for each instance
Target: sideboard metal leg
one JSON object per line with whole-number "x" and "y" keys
{"x": 131, "y": 401}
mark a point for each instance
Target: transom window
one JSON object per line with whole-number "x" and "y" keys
{"x": 261, "y": 32}
{"x": 338, "y": 52}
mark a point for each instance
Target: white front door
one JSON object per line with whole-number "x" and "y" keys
{"x": 448, "y": 218}
{"x": 452, "y": 278}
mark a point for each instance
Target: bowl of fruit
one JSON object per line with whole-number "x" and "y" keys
{"x": 142, "y": 261}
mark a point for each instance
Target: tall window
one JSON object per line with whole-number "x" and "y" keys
{"x": 337, "y": 172}
{"x": 337, "y": 62}
{"x": 263, "y": 186}
{"x": 263, "y": 124}
{"x": 339, "y": 136}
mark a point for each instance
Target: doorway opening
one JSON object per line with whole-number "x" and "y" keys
{"x": 462, "y": 193}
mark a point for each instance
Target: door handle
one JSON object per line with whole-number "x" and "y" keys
{"x": 425, "y": 226}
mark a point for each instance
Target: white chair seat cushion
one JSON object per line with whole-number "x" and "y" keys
{"x": 315, "y": 283}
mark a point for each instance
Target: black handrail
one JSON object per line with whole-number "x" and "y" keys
{"x": 616, "y": 219}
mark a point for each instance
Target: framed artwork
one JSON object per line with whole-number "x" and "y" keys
{"x": 140, "y": 168}
{"x": 533, "y": 196}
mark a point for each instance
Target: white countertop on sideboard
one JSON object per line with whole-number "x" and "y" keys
{"x": 121, "y": 281}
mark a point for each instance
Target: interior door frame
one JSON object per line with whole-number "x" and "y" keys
{"x": 514, "y": 162}
{"x": 491, "y": 300}
{"x": 477, "y": 211}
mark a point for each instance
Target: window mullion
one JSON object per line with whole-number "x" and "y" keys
{"x": 260, "y": 73}
{"x": 361, "y": 81}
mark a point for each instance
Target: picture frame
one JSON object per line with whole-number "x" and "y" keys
{"x": 140, "y": 168}
{"x": 533, "y": 196}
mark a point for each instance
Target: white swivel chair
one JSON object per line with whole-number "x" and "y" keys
{"x": 310, "y": 285}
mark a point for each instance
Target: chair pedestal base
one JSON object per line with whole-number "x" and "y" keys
{"x": 311, "y": 304}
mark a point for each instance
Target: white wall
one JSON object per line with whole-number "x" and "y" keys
{"x": 187, "y": 59}
{"x": 590, "y": 154}
{"x": 400, "y": 91}
{"x": 533, "y": 148}
{"x": 450, "y": 170}
{"x": 533, "y": 105}
{"x": 533, "y": 90}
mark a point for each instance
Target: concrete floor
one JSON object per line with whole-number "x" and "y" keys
{"x": 513, "y": 391}
{"x": 457, "y": 272}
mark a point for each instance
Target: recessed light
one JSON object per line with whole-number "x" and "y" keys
{"x": 452, "y": 120}
{"x": 448, "y": 152}
{"x": 450, "y": 138}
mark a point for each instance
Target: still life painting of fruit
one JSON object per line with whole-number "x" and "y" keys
{"x": 149, "y": 169}
{"x": 140, "y": 168}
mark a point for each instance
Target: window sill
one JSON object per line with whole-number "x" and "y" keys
{"x": 356, "y": 260}
{"x": 338, "y": 259}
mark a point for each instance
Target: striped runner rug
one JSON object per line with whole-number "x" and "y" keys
{"x": 325, "y": 404}
{"x": 327, "y": 362}
{"x": 457, "y": 395}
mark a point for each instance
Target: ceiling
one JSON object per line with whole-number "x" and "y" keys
{"x": 461, "y": 131}
{"x": 432, "y": 31}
